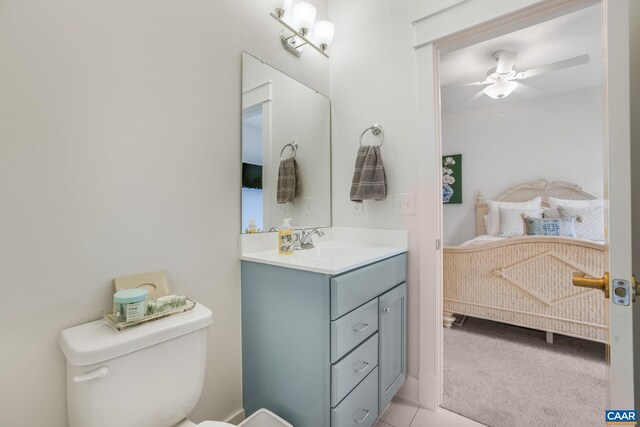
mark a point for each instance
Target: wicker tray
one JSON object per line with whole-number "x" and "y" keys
{"x": 112, "y": 320}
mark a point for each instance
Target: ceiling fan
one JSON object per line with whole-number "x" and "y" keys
{"x": 501, "y": 81}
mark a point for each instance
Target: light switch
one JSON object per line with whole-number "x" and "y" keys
{"x": 307, "y": 206}
{"x": 357, "y": 208}
{"x": 403, "y": 204}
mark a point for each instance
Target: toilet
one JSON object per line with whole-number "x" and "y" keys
{"x": 147, "y": 376}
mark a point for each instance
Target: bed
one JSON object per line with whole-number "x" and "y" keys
{"x": 526, "y": 281}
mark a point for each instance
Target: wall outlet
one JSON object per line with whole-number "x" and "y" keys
{"x": 357, "y": 208}
{"x": 307, "y": 206}
{"x": 403, "y": 204}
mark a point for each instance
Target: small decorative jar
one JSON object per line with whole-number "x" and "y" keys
{"x": 130, "y": 304}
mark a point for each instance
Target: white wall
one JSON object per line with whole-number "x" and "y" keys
{"x": 556, "y": 138}
{"x": 373, "y": 80}
{"x": 120, "y": 153}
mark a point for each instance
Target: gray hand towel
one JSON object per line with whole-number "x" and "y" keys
{"x": 369, "y": 180}
{"x": 288, "y": 181}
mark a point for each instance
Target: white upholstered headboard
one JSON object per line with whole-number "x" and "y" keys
{"x": 528, "y": 191}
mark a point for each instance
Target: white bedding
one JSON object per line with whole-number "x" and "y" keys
{"x": 485, "y": 238}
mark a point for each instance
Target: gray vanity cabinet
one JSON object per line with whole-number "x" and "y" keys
{"x": 322, "y": 350}
{"x": 393, "y": 337}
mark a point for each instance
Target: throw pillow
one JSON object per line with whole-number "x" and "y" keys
{"x": 564, "y": 227}
{"x": 494, "y": 211}
{"x": 592, "y": 225}
{"x": 512, "y": 221}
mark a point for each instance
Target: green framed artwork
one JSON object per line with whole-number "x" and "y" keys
{"x": 452, "y": 179}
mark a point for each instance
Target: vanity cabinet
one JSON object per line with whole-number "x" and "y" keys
{"x": 324, "y": 350}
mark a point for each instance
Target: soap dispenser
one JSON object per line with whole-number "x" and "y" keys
{"x": 285, "y": 238}
{"x": 252, "y": 228}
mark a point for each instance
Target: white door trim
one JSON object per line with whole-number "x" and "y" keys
{"x": 461, "y": 24}
{"x": 620, "y": 382}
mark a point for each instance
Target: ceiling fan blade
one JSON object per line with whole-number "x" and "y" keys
{"x": 473, "y": 99}
{"x": 567, "y": 63}
{"x": 506, "y": 60}
{"x": 470, "y": 84}
{"x": 526, "y": 91}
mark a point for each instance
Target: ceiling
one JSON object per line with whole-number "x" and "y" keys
{"x": 561, "y": 38}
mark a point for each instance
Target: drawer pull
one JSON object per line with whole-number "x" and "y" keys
{"x": 361, "y": 420}
{"x": 387, "y": 310}
{"x": 362, "y": 329}
{"x": 365, "y": 365}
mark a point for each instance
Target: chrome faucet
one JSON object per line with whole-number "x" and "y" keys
{"x": 306, "y": 237}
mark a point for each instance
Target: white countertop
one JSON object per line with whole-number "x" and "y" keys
{"x": 340, "y": 250}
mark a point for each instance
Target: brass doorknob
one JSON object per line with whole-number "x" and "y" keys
{"x": 580, "y": 279}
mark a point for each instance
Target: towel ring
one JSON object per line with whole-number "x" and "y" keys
{"x": 376, "y": 130}
{"x": 294, "y": 149}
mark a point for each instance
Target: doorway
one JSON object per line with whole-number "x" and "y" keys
{"x": 488, "y": 22}
{"x": 522, "y": 119}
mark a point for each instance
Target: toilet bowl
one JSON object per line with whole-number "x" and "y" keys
{"x": 147, "y": 376}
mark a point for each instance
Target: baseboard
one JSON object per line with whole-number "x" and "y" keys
{"x": 409, "y": 391}
{"x": 429, "y": 397}
{"x": 236, "y": 418}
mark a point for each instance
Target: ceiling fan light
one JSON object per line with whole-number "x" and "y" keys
{"x": 500, "y": 89}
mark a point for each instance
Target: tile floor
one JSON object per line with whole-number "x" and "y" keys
{"x": 402, "y": 413}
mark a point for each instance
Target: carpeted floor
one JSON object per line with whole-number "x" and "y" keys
{"x": 505, "y": 376}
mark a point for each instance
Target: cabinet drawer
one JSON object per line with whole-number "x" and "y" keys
{"x": 348, "y": 373}
{"x": 353, "y": 289}
{"x": 350, "y": 330}
{"x": 360, "y": 408}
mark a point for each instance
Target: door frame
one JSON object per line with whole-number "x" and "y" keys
{"x": 460, "y": 24}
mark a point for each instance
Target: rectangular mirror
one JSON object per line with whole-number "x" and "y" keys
{"x": 286, "y": 150}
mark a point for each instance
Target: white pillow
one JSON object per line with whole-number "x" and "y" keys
{"x": 550, "y": 213}
{"x": 494, "y": 211}
{"x": 512, "y": 222}
{"x": 591, "y": 223}
{"x": 486, "y": 224}
{"x": 554, "y": 203}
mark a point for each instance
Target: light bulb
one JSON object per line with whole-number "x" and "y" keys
{"x": 500, "y": 89}
{"x": 304, "y": 15}
{"x": 281, "y": 11}
{"x": 323, "y": 33}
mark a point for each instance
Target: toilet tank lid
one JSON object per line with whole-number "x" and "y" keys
{"x": 95, "y": 342}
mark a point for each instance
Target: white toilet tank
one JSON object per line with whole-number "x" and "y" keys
{"x": 148, "y": 376}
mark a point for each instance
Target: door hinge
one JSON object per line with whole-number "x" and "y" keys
{"x": 437, "y": 244}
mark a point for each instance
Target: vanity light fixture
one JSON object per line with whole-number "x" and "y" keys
{"x": 323, "y": 33}
{"x": 304, "y": 16}
{"x": 301, "y": 28}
